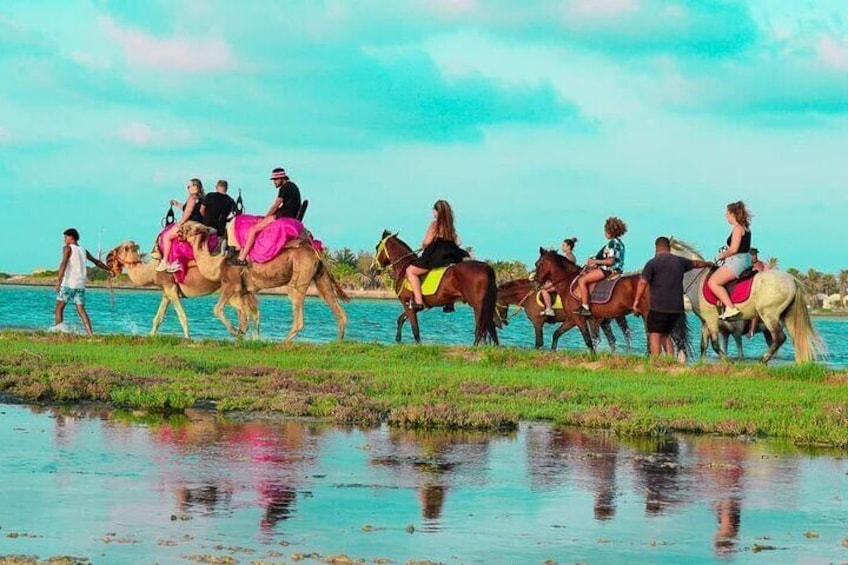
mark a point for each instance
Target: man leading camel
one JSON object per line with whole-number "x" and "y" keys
{"x": 286, "y": 205}
{"x": 72, "y": 277}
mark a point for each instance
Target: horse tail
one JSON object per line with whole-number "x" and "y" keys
{"x": 680, "y": 336}
{"x": 806, "y": 341}
{"x": 490, "y": 300}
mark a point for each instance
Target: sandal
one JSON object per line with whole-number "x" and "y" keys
{"x": 415, "y": 306}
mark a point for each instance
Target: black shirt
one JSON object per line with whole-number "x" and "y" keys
{"x": 218, "y": 208}
{"x": 290, "y": 194}
{"x": 745, "y": 244}
{"x": 664, "y": 275}
{"x": 195, "y": 212}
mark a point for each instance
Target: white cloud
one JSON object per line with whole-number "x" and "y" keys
{"x": 143, "y": 135}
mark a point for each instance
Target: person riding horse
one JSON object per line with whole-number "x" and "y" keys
{"x": 440, "y": 249}
{"x": 736, "y": 257}
{"x": 609, "y": 261}
{"x": 546, "y": 290}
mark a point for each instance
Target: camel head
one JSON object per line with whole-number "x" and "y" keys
{"x": 125, "y": 255}
{"x": 194, "y": 232}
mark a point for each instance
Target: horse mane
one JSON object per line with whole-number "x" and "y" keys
{"x": 562, "y": 260}
{"x": 685, "y": 249}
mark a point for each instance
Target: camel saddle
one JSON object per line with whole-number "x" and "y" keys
{"x": 599, "y": 292}
{"x": 739, "y": 290}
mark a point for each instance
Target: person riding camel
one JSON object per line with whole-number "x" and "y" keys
{"x": 756, "y": 263}
{"x": 607, "y": 262}
{"x": 286, "y": 205}
{"x": 736, "y": 257}
{"x": 191, "y": 213}
{"x": 217, "y": 207}
{"x": 567, "y": 252}
{"x": 441, "y": 247}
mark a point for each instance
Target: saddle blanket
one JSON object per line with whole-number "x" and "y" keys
{"x": 431, "y": 282}
{"x": 739, "y": 291}
{"x": 271, "y": 240}
{"x": 182, "y": 252}
{"x": 600, "y": 292}
{"x": 557, "y": 300}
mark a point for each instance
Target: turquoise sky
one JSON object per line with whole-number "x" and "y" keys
{"x": 536, "y": 120}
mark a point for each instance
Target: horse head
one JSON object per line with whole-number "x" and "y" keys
{"x": 549, "y": 263}
{"x": 684, "y": 249}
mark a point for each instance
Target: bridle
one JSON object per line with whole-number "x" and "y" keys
{"x": 382, "y": 249}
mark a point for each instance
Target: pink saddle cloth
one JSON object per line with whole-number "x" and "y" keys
{"x": 182, "y": 252}
{"x": 271, "y": 240}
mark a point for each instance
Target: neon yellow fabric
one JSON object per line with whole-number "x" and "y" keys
{"x": 557, "y": 302}
{"x": 430, "y": 284}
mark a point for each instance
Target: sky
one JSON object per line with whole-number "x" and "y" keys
{"x": 535, "y": 120}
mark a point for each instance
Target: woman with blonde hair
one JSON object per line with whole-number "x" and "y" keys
{"x": 191, "y": 213}
{"x": 440, "y": 249}
{"x": 736, "y": 256}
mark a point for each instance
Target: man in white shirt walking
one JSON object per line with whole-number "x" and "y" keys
{"x": 72, "y": 276}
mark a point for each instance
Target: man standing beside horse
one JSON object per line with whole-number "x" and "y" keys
{"x": 664, "y": 276}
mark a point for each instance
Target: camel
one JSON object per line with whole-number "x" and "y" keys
{"x": 126, "y": 256}
{"x": 297, "y": 266}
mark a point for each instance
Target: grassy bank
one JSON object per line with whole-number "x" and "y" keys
{"x": 430, "y": 386}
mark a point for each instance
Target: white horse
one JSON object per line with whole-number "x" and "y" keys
{"x": 777, "y": 298}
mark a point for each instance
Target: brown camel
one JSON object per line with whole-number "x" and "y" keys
{"x": 297, "y": 266}
{"x": 126, "y": 256}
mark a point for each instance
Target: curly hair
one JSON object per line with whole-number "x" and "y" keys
{"x": 615, "y": 227}
{"x": 739, "y": 211}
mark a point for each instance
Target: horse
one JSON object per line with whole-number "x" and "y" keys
{"x": 777, "y": 298}
{"x": 555, "y": 268}
{"x": 522, "y": 293}
{"x": 472, "y": 282}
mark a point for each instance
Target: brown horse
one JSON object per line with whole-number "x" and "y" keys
{"x": 472, "y": 282}
{"x": 522, "y": 293}
{"x": 561, "y": 272}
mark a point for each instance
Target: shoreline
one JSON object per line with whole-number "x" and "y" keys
{"x": 429, "y": 387}
{"x": 281, "y": 291}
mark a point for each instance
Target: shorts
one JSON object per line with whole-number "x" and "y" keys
{"x": 68, "y": 294}
{"x": 662, "y": 322}
{"x": 738, "y": 263}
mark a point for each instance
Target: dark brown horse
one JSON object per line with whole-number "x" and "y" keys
{"x": 472, "y": 282}
{"x": 522, "y": 293}
{"x": 561, "y": 272}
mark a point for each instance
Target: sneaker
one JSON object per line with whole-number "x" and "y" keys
{"x": 730, "y": 313}
{"x": 173, "y": 267}
{"x": 548, "y": 313}
{"x": 162, "y": 266}
{"x": 59, "y": 328}
{"x": 583, "y": 311}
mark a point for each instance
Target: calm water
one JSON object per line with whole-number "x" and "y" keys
{"x": 369, "y": 320}
{"x": 112, "y": 488}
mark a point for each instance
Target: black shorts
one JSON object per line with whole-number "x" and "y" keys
{"x": 662, "y": 322}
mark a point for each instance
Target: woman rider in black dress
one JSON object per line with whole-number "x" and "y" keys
{"x": 441, "y": 248}
{"x": 191, "y": 213}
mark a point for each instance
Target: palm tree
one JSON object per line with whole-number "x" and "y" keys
{"x": 843, "y": 286}
{"x": 773, "y": 262}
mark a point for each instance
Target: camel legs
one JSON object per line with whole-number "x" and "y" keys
{"x": 160, "y": 314}
{"x": 227, "y": 294}
{"x": 297, "y": 296}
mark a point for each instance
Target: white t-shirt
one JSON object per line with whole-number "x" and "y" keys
{"x": 75, "y": 272}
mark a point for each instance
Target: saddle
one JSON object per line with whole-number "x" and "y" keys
{"x": 739, "y": 290}
{"x": 556, "y": 300}
{"x": 599, "y": 292}
{"x": 431, "y": 281}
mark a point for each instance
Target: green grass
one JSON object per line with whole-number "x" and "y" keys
{"x": 430, "y": 386}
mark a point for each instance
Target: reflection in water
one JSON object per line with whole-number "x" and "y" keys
{"x": 267, "y": 484}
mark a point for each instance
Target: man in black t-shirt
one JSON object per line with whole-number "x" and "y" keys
{"x": 664, "y": 275}
{"x": 217, "y": 207}
{"x": 286, "y": 205}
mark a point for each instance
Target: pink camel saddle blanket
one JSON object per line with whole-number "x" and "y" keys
{"x": 182, "y": 252}
{"x": 271, "y": 240}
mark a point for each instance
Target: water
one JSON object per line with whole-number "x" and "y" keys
{"x": 369, "y": 320}
{"x": 118, "y": 489}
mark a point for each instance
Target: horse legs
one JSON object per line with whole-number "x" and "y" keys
{"x": 625, "y": 329}
{"x": 587, "y": 336}
{"x": 401, "y": 319}
{"x": 413, "y": 323}
{"x": 606, "y": 326}
{"x": 778, "y": 337}
{"x": 160, "y": 314}
{"x": 737, "y": 337}
{"x": 563, "y": 327}
{"x": 594, "y": 331}
{"x": 297, "y": 297}
{"x": 538, "y": 324}
{"x": 705, "y": 339}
